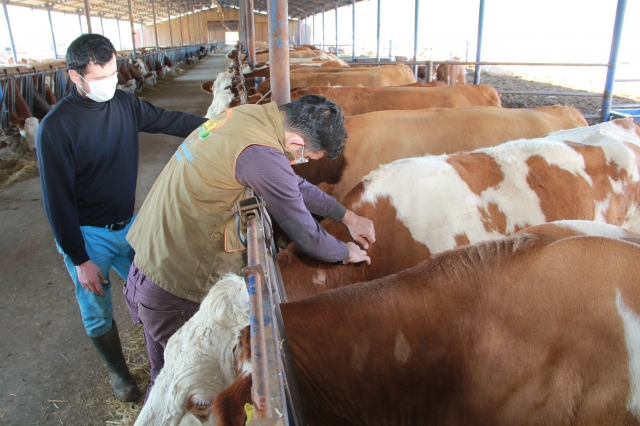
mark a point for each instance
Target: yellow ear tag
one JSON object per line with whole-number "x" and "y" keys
{"x": 248, "y": 409}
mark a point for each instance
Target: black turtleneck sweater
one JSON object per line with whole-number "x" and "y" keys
{"x": 88, "y": 160}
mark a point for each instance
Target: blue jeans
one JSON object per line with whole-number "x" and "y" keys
{"x": 106, "y": 249}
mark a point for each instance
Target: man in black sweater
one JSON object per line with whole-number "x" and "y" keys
{"x": 88, "y": 158}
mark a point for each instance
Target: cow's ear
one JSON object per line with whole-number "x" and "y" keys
{"x": 228, "y": 407}
{"x": 207, "y": 86}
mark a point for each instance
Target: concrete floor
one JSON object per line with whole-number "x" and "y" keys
{"x": 45, "y": 354}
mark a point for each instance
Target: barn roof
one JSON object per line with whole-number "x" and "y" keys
{"x": 119, "y": 9}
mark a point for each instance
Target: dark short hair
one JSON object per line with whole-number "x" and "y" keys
{"x": 319, "y": 121}
{"x": 89, "y": 48}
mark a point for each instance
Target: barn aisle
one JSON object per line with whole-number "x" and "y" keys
{"x": 49, "y": 371}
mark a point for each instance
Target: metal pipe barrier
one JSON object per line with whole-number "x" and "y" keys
{"x": 274, "y": 388}
{"x": 31, "y": 81}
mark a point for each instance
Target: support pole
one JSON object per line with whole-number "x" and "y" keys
{"x": 378, "y": 35}
{"x": 241, "y": 22}
{"x": 278, "y": 18}
{"x": 6, "y": 16}
{"x": 53, "y": 37}
{"x": 188, "y": 25}
{"x": 119, "y": 37}
{"x": 87, "y": 12}
{"x": 252, "y": 35}
{"x": 193, "y": 21}
{"x": 133, "y": 27}
{"x": 142, "y": 34}
{"x": 415, "y": 39}
{"x": 353, "y": 30}
{"x": 476, "y": 77}
{"x": 180, "y": 19}
{"x": 299, "y": 31}
{"x": 613, "y": 61}
{"x": 155, "y": 28}
{"x": 79, "y": 12}
{"x": 101, "y": 24}
{"x": 323, "y": 29}
{"x": 313, "y": 29}
{"x": 337, "y": 48}
{"x": 169, "y": 15}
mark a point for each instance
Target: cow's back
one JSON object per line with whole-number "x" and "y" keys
{"x": 382, "y": 137}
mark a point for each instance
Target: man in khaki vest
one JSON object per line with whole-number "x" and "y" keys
{"x": 185, "y": 234}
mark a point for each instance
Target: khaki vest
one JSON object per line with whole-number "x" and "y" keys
{"x": 185, "y": 234}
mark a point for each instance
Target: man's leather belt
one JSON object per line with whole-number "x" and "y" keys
{"x": 118, "y": 226}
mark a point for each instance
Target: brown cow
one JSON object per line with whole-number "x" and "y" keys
{"x": 382, "y": 137}
{"x": 420, "y": 207}
{"x": 360, "y": 100}
{"x": 534, "y": 329}
{"x": 387, "y": 75}
{"x": 451, "y": 74}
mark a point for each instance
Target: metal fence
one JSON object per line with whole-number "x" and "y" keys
{"x": 32, "y": 85}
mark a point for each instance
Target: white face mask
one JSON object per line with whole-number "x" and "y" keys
{"x": 300, "y": 160}
{"x": 102, "y": 90}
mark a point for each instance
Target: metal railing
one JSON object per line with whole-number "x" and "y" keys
{"x": 31, "y": 83}
{"x": 274, "y": 388}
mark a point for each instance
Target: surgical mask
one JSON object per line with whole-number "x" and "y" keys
{"x": 300, "y": 160}
{"x": 102, "y": 90}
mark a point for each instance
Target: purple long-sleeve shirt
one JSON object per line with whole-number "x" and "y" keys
{"x": 290, "y": 201}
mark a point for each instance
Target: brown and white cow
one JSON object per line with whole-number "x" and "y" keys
{"x": 420, "y": 207}
{"x": 533, "y": 329}
{"x": 382, "y": 137}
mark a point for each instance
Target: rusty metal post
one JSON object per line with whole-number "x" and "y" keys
{"x": 278, "y": 17}
{"x": 241, "y": 25}
{"x": 378, "y": 35}
{"x": 87, "y": 12}
{"x": 53, "y": 36}
{"x": 169, "y": 15}
{"x": 252, "y": 35}
{"x": 155, "y": 27}
{"x": 133, "y": 28}
{"x": 613, "y": 61}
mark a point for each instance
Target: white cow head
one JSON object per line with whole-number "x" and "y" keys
{"x": 30, "y": 131}
{"x": 222, "y": 95}
{"x": 142, "y": 69}
{"x": 199, "y": 359}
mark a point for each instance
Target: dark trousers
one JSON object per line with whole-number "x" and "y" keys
{"x": 160, "y": 313}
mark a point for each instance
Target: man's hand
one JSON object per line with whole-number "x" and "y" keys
{"x": 360, "y": 228}
{"x": 90, "y": 276}
{"x": 356, "y": 254}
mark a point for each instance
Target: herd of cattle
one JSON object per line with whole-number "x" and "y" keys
{"x": 502, "y": 288}
{"x": 133, "y": 75}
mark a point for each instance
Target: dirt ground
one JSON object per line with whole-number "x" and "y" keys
{"x": 49, "y": 372}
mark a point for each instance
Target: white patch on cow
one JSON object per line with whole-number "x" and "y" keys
{"x": 320, "y": 278}
{"x": 632, "y": 218}
{"x": 402, "y": 348}
{"x": 220, "y": 103}
{"x": 222, "y": 95}
{"x": 631, "y": 323}
{"x": 30, "y": 131}
{"x": 601, "y": 208}
{"x": 616, "y": 185}
{"x": 440, "y": 205}
{"x": 594, "y": 229}
{"x": 199, "y": 357}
